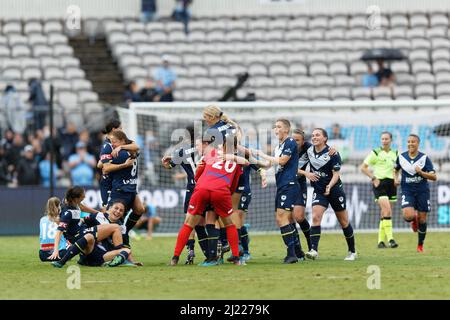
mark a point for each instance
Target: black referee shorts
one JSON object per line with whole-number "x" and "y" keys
{"x": 387, "y": 189}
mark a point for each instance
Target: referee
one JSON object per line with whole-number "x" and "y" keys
{"x": 382, "y": 161}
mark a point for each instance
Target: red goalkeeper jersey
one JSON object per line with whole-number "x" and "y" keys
{"x": 216, "y": 174}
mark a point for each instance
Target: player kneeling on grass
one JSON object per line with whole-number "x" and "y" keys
{"x": 81, "y": 237}
{"x": 216, "y": 180}
{"x": 103, "y": 253}
{"x": 417, "y": 169}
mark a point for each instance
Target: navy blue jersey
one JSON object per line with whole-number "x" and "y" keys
{"x": 69, "y": 222}
{"x": 323, "y": 164}
{"x": 185, "y": 157}
{"x": 124, "y": 180}
{"x": 224, "y": 128}
{"x": 303, "y": 163}
{"x": 95, "y": 219}
{"x": 105, "y": 154}
{"x": 287, "y": 173}
{"x": 244, "y": 180}
{"x": 411, "y": 180}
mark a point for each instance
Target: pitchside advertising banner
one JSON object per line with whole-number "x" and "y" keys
{"x": 22, "y": 208}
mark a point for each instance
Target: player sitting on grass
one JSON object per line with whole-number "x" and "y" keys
{"x": 47, "y": 227}
{"x": 81, "y": 237}
{"x": 216, "y": 180}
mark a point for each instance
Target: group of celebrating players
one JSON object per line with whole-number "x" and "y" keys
{"x": 218, "y": 194}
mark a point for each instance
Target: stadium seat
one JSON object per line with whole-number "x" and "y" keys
{"x": 424, "y": 91}
{"x": 382, "y": 93}
{"x": 340, "y": 93}
{"x": 360, "y": 93}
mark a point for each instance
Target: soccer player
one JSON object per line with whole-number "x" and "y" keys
{"x": 81, "y": 237}
{"x": 286, "y": 166}
{"x": 328, "y": 190}
{"x": 383, "y": 160}
{"x": 106, "y": 155}
{"x": 216, "y": 180}
{"x": 47, "y": 226}
{"x": 184, "y": 156}
{"x": 416, "y": 168}
{"x": 124, "y": 175}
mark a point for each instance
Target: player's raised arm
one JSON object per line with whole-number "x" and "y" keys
{"x": 110, "y": 167}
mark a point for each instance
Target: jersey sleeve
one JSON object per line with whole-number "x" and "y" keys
{"x": 105, "y": 153}
{"x": 289, "y": 148}
{"x": 371, "y": 158}
{"x": 121, "y": 158}
{"x": 64, "y": 221}
{"x": 428, "y": 166}
{"x": 336, "y": 162}
{"x": 303, "y": 161}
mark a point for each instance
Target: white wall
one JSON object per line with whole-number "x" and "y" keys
{"x": 127, "y": 8}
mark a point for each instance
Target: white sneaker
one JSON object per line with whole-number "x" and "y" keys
{"x": 312, "y": 254}
{"x": 351, "y": 256}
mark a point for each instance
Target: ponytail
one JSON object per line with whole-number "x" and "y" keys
{"x": 52, "y": 209}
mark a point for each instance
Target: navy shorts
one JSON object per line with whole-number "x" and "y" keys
{"x": 127, "y": 197}
{"x": 84, "y": 231}
{"x": 336, "y": 199}
{"x": 417, "y": 200}
{"x": 302, "y": 196}
{"x": 105, "y": 190}
{"x": 45, "y": 254}
{"x": 244, "y": 201}
{"x": 93, "y": 259}
{"x": 287, "y": 196}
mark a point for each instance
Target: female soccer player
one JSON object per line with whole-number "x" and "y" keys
{"x": 124, "y": 175}
{"x": 383, "y": 160}
{"x": 328, "y": 190}
{"x": 185, "y": 155}
{"x": 216, "y": 180}
{"x": 81, "y": 237}
{"x": 47, "y": 227}
{"x": 286, "y": 166}
{"x": 107, "y": 153}
{"x": 417, "y": 169}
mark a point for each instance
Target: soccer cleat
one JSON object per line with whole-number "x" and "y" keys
{"x": 174, "y": 261}
{"x": 290, "y": 259}
{"x": 381, "y": 245}
{"x": 190, "y": 257}
{"x": 246, "y": 257}
{"x": 299, "y": 253}
{"x": 415, "y": 223}
{"x": 236, "y": 261}
{"x": 220, "y": 260}
{"x": 351, "y": 256}
{"x": 128, "y": 263}
{"x": 393, "y": 244}
{"x": 116, "y": 261}
{"x": 420, "y": 248}
{"x": 312, "y": 254}
{"x": 57, "y": 264}
{"x": 209, "y": 263}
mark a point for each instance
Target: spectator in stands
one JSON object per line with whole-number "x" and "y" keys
{"x": 14, "y": 110}
{"x": 82, "y": 166}
{"x": 336, "y": 132}
{"x": 165, "y": 80}
{"x": 88, "y": 141}
{"x": 148, "y": 9}
{"x": 39, "y": 103}
{"x": 57, "y": 145}
{"x": 44, "y": 170}
{"x": 8, "y": 139}
{"x": 370, "y": 79}
{"x": 13, "y": 153}
{"x": 182, "y": 13}
{"x": 4, "y": 174}
{"x": 27, "y": 171}
{"x": 149, "y": 93}
{"x": 386, "y": 77}
{"x": 132, "y": 94}
{"x": 337, "y": 141}
{"x": 69, "y": 137}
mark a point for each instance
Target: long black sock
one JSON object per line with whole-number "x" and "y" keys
{"x": 298, "y": 244}
{"x": 306, "y": 229}
{"x": 202, "y": 239}
{"x": 223, "y": 236}
{"x": 422, "y": 231}
{"x": 349, "y": 236}
{"x": 190, "y": 244}
{"x": 315, "y": 237}
{"x": 287, "y": 233}
{"x": 124, "y": 254}
{"x": 132, "y": 219}
{"x": 74, "y": 249}
{"x": 213, "y": 238}
{"x": 244, "y": 239}
{"x": 239, "y": 235}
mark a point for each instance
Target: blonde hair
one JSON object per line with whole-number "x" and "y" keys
{"x": 217, "y": 113}
{"x": 52, "y": 209}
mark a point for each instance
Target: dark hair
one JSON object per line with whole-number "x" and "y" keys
{"x": 121, "y": 202}
{"x": 388, "y": 133}
{"x": 73, "y": 193}
{"x": 112, "y": 124}
{"x": 119, "y": 135}
{"x": 415, "y": 136}
{"x": 286, "y": 122}
{"x": 324, "y": 132}
{"x": 300, "y": 132}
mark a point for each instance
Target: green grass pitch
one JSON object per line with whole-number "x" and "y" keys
{"x": 404, "y": 274}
